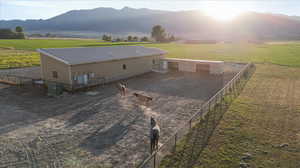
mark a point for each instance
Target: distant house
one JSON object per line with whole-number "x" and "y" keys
{"x": 80, "y": 67}
{"x": 200, "y": 41}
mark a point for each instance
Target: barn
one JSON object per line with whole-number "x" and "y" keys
{"x": 80, "y": 67}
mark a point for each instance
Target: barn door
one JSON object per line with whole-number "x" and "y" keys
{"x": 204, "y": 68}
{"x": 173, "y": 66}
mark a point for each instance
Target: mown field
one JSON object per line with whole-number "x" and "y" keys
{"x": 33, "y": 44}
{"x": 280, "y": 54}
{"x": 21, "y": 53}
{"x": 16, "y": 53}
{"x": 264, "y": 121}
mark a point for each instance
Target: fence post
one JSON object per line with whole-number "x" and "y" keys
{"x": 221, "y": 101}
{"x": 234, "y": 89}
{"x": 190, "y": 123}
{"x": 231, "y": 92}
{"x": 175, "y": 142}
{"x": 154, "y": 160}
{"x": 207, "y": 118}
{"x": 221, "y": 106}
{"x": 208, "y": 107}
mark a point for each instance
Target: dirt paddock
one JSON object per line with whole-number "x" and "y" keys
{"x": 98, "y": 127}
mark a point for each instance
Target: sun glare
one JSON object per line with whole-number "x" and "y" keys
{"x": 222, "y": 12}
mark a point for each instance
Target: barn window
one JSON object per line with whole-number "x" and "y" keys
{"x": 54, "y": 74}
{"x": 124, "y": 66}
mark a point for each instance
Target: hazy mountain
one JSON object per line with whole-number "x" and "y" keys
{"x": 186, "y": 24}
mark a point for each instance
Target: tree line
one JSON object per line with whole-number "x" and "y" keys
{"x": 158, "y": 34}
{"x": 12, "y": 34}
{"x": 126, "y": 39}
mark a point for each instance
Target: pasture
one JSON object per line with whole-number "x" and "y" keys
{"x": 263, "y": 121}
{"x": 11, "y": 58}
{"x": 33, "y": 44}
{"x": 19, "y": 53}
{"x": 279, "y": 54}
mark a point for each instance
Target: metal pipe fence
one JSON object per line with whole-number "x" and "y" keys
{"x": 197, "y": 130}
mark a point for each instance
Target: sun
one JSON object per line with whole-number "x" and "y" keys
{"x": 222, "y": 12}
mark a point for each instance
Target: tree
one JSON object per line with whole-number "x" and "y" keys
{"x": 9, "y": 34}
{"x": 106, "y": 38}
{"x": 48, "y": 35}
{"x": 118, "y": 39}
{"x": 158, "y": 33}
{"x": 129, "y": 38}
{"x": 144, "y": 39}
{"x": 109, "y": 38}
{"x": 135, "y": 38}
{"x": 6, "y": 34}
{"x": 172, "y": 38}
{"x": 19, "y": 29}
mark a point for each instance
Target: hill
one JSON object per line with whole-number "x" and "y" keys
{"x": 186, "y": 24}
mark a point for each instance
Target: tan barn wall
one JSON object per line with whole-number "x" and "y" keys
{"x": 187, "y": 66}
{"x": 113, "y": 70}
{"x": 48, "y": 65}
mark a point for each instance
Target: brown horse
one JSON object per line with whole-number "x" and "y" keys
{"x": 154, "y": 135}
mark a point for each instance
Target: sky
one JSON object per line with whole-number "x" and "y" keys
{"x": 225, "y": 9}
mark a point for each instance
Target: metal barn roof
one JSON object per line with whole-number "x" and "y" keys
{"x": 73, "y": 56}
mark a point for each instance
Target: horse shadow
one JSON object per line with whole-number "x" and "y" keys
{"x": 99, "y": 141}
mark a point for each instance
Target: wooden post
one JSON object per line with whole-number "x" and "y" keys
{"x": 208, "y": 107}
{"x": 154, "y": 160}
{"x": 175, "y": 142}
{"x": 231, "y": 92}
{"x": 221, "y": 101}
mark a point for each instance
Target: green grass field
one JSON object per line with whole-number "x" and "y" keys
{"x": 34, "y": 44}
{"x": 18, "y": 58}
{"x": 281, "y": 54}
{"x": 21, "y": 53}
{"x": 264, "y": 116}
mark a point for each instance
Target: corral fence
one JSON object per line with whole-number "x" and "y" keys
{"x": 15, "y": 79}
{"x": 193, "y": 136}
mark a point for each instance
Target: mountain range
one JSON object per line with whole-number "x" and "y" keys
{"x": 185, "y": 24}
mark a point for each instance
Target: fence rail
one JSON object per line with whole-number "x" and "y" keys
{"x": 211, "y": 120}
{"x": 14, "y": 79}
